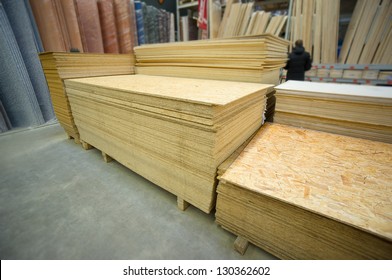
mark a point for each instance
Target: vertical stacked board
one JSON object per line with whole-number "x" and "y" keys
{"x": 316, "y": 22}
{"x": 368, "y": 38}
{"x": 255, "y": 59}
{"x": 352, "y": 110}
{"x": 173, "y": 131}
{"x": 240, "y": 19}
{"x": 303, "y": 194}
{"x": 58, "y": 66}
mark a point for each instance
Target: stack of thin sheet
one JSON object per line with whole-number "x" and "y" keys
{"x": 172, "y": 131}
{"x": 247, "y": 59}
{"x": 60, "y": 66}
{"x": 353, "y": 110}
{"x": 304, "y": 194}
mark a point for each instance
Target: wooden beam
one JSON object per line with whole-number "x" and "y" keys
{"x": 241, "y": 245}
{"x": 106, "y": 158}
{"x": 85, "y": 145}
{"x": 182, "y": 204}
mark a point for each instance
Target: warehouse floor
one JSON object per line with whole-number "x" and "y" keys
{"x": 58, "y": 201}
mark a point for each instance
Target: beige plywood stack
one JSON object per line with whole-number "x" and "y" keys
{"x": 304, "y": 194}
{"x": 368, "y": 38}
{"x": 352, "y": 110}
{"x": 173, "y": 131}
{"x": 248, "y": 59}
{"x": 58, "y": 66}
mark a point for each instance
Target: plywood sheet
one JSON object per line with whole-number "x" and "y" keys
{"x": 173, "y": 131}
{"x": 58, "y": 66}
{"x": 355, "y": 92}
{"x": 342, "y": 178}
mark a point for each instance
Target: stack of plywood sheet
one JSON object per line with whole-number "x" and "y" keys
{"x": 304, "y": 194}
{"x": 368, "y": 38}
{"x": 247, "y": 59}
{"x": 59, "y": 66}
{"x": 172, "y": 131}
{"x": 353, "y": 110}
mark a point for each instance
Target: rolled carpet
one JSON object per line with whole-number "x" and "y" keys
{"x": 16, "y": 91}
{"x": 24, "y": 34}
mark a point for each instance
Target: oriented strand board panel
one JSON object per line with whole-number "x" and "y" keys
{"x": 172, "y": 131}
{"x": 306, "y": 194}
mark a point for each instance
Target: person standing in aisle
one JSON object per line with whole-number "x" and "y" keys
{"x": 299, "y": 62}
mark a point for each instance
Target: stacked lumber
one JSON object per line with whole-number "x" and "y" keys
{"x": 352, "y": 110}
{"x": 316, "y": 22}
{"x": 239, "y": 20}
{"x": 173, "y": 131}
{"x": 60, "y": 66}
{"x": 368, "y": 37}
{"x": 248, "y": 59}
{"x": 303, "y": 194}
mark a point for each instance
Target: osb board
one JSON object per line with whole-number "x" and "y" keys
{"x": 179, "y": 181}
{"x": 376, "y": 94}
{"x": 175, "y": 109}
{"x": 211, "y": 92}
{"x": 172, "y": 139}
{"x": 343, "y": 178}
{"x": 290, "y": 232}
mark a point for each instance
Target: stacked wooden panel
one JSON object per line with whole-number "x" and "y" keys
{"x": 353, "y": 110}
{"x": 60, "y": 66}
{"x": 172, "y": 131}
{"x": 303, "y": 194}
{"x": 368, "y": 37}
{"x": 247, "y": 59}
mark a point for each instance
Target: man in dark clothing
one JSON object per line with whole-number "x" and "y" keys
{"x": 299, "y": 62}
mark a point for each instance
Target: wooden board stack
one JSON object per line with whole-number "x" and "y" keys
{"x": 369, "y": 35}
{"x": 352, "y": 110}
{"x": 247, "y": 59}
{"x": 173, "y": 131}
{"x": 58, "y": 66}
{"x": 303, "y": 194}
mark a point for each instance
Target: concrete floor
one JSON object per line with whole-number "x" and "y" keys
{"x": 58, "y": 201}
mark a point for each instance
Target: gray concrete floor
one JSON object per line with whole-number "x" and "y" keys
{"x": 58, "y": 201}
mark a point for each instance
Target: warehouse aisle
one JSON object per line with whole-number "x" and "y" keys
{"x": 58, "y": 201}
